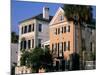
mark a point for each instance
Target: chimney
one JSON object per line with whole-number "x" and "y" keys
{"x": 45, "y": 12}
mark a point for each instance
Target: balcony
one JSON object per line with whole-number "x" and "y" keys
{"x": 29, "y": 34}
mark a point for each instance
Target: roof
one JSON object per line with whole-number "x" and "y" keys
{"x": 38, "y": 17}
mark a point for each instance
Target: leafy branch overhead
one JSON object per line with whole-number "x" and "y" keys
{"x": 80, "y": 12}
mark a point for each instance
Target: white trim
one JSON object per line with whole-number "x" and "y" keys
{"x": 55, "y": 16}
{"x": 46, "y": 42}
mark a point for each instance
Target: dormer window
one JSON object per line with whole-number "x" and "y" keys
{"x": 61, "y": 17}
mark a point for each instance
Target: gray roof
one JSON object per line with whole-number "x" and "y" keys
{"x": 38, "y": 17}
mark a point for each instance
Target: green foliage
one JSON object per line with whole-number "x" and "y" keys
{"x": 36, "y": 57}
{"x": 79, "y": 14}
{"x": 14, "y": 37}
{"x": 25, "y": 58}
{"x": 90, "y": 56}
{"x": 93, "y": 56}
{"x": 22, "y": 50}
{"x": 83, "y": 13}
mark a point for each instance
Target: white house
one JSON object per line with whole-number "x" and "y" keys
{"x": 33, "y": 32}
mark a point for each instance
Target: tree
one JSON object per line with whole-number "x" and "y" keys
{"x": 75, "y": 63}
{"x": 25, "y": 58}
{"x": 35, "y": 58}
{"x": 14, "y": 37}
{"x": 80, "y": 15}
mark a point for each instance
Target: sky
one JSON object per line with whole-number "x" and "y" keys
{"x": 21, "y": 10}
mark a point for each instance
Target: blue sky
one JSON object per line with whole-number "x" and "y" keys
{"x": 21, "y": 10}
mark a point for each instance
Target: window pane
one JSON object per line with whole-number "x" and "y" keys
{"x": 64, "y": 46}
{"x": 62, "y": 29}
{"x": 25, "y": 29}
{"x": 29, "y": 30}
{"x": 21, "y": 45}
{"x": 58, "y": 30}
{"x": 22, "y": 30}
{"x": 90, "y": 46}
{"x": 58, "y": 49}
{"x": 29, "y": 43}
{"x": 40, "y": 27}
{"x": 32, "y": 43}
{"x": 68, "y": 28}
{"x": 61, "y": 17}
{"x": 65, "y": 29}
{"x": 33, "y": 28}
{"x": 39, "y": 42}
{"x": 24, "y": 44}
{"x": 68, "y": 45}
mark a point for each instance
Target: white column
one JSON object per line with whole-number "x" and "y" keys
{"x": 27, "y": 28}
{"x": 19, "y": 42}
{"x": 35, "y": 33}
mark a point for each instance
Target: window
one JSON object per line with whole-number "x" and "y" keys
{"x": 68, "y": 45}
{"x": 24, "y": 44}
{"x": 40, "y": 27}
{"x": 39, "y": 42}
{"x": 22, "y": 30}
{"x": 33, "y": 28}
{"x": 65, "y": 29}
{"x": 62, "y": 29}
{"x": 64, "y": 46}
{"x": 58, "y": 30}
{"x": 21, "y": 46}
{"x": 58, "y": 49}
{"x": 25, "y": 29}
{"x": 60, "y": 46}
{"x": 68, "y": 28}
{"x": 52, "y": 47}
{"x": 32, "y": 43}
{"x": 29, "y": 43}
{"x": 29, "y": 29}
{"x": 90, "y": 46}
{"x": 61, "y": 17}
